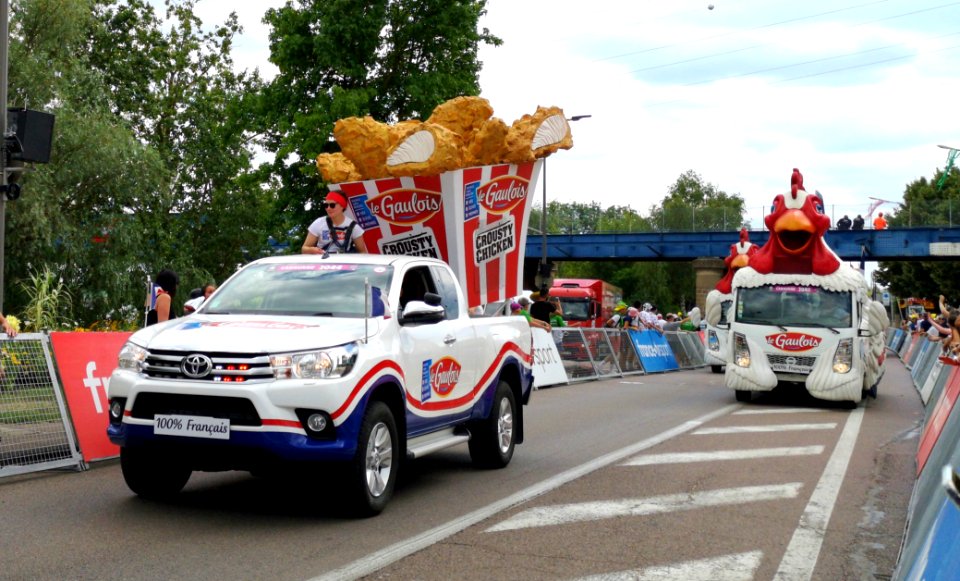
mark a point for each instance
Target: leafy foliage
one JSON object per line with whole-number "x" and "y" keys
{"x": 925, "y": 203}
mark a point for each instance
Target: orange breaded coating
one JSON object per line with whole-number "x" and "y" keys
{"x": 487, "y": 145}
{"x": 538, "y": 135}
{"x": 365, "y": 142}
{"x": 462, "y": 115}
{"x": 337, "y": 169}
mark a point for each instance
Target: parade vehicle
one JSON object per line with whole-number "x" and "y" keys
{"x": 586, "y": 302}
{"x": 347, "y": 363}
{"x": 720, "y": 299}
{"x": 800, "y": 315}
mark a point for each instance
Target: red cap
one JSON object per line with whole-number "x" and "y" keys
{"x": 337, "y": 197}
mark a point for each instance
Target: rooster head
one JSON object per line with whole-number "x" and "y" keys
{"x": 739, "y": 257}
{"x": 797, "y": 224}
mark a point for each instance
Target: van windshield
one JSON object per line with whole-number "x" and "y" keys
{"x": 794, "y": 305}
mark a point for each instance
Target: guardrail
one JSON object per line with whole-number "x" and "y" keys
{"x": 932, "y": 534}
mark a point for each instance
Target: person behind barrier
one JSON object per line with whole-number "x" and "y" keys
{"x": 8, "y": 328}
{"x": 556, "y": 319}
{"x": 619, "y": 312}
{"x": 162, "y": 311}
{"x": 516, "y": 308}
{"x": 671, "y": 322}
{"x": 541, "y": 309}
{"x": 334, "y": 233}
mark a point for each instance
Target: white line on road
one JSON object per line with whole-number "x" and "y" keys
{"x": 757, "y": 429}
{"x": 804, "y": 549}
{"x": 683, "y": 457}
{"x": 542, "y": 516}
{"x": 399, "y": 550}
{"x": 753, "y": 412}
{"x": 738, "y": 567}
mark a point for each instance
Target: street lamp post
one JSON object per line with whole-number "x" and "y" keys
{"x": 544, "y": 265}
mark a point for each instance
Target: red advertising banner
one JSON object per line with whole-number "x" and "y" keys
{"x": 474, "y": 219}
{"x": 85, "y": 361}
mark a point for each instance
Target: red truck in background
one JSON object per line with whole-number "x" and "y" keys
{"x": 586, "y": 302}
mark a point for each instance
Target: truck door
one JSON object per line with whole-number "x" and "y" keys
{"x": 435, "y": 364}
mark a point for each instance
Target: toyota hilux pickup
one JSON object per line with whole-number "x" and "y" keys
{"x": 346, "y": 363}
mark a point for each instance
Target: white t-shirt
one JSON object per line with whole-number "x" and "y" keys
{"x": 337, "y": 242}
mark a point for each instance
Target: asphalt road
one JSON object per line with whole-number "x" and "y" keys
{"x": 567, "y": 507}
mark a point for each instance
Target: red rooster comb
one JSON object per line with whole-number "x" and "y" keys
{"x": 796, "y": 183}
{"x": 744, "y": 235}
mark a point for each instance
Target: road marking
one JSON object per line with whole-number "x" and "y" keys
{"x": 738, "y": 567}
{"x": 542, "y": 516}
{"x": 682, "y": 457}
{"x": 756, "y": 429}
{"x": 804, "y": 549}
{"x": 775, "y": 411}
{"x": 380, "y": 559}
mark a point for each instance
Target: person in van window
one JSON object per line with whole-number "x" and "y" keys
{"x": 334, "y": 233}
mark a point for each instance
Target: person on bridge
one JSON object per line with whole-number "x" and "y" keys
{"x": 880, "y": 222}
{"x": 858, "y": 222}
{"x": 844, "y": 223}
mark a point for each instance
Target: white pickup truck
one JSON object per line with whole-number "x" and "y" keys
{"x": 345, "y": 361}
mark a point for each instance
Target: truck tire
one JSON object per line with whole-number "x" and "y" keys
{"x": 151, "y": 474}
{"x": 373, "y": 472}
{"x": 744, "y": 395}
{"x": 493, "y": 439}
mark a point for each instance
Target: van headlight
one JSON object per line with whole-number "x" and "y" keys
{"x": 713, "y": 343}
{"x": 131, "y": 357}
{"x": 741, "y": 351}
{"x": 843, "y": 357}
{"x": 321, "y": 364}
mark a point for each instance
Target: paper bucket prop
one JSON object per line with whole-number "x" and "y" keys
{"x": 474, "y": 219}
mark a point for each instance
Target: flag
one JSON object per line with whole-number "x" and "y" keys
{"x": 378, "y": 303}
{"x": 153, "y": 291}
{"x": 874, "y": 205}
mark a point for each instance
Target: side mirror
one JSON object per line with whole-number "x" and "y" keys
{"x": 724, "y": 325}
{"x": 864, "y": 333}
{"x": 421, "y": 312}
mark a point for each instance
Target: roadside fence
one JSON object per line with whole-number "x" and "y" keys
{"x": 933, "y": 519}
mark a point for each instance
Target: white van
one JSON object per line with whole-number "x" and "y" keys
{"x": 820, "y": 331}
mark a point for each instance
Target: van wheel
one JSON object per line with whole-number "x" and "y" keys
{"x": 152, "y": 474}
{"x": 716, "y": 368}
{"x": 373, "y": 473}
{"x": 493, "y": 439}
{"x": 744, "y": 395}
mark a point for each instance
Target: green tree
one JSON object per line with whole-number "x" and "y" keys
{"x": 924, "y": 203}
{"x": 390, "y": 59}
{"x": 695, "y": 205}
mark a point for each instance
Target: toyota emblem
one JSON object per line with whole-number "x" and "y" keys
{"x": 196, "y": 366}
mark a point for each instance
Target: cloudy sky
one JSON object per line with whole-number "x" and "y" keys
{"x": 855, "y": 93}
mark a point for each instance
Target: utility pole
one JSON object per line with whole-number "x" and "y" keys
{"x": 4, "y": 45}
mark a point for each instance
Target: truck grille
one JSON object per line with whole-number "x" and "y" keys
{"x": 238, "y": 410}
{"x": 222, "y": 367}
{"x": 791, "y": 364}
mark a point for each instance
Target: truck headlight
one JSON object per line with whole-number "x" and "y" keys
{"x": 843, "y": 357}
{"x": 321, "y": 364}
{"x": 741, "y": 351}
{"x": 713, "y": 343}
{"x": 131, "y": 357}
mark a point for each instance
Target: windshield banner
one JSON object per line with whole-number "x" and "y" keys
{"x": 654, "y": 351}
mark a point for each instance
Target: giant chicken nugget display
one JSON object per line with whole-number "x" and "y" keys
{"x": 457, "y": 187}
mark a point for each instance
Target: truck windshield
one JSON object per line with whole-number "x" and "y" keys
{"x": 575, "y": 309}
{"x": 301, "y": 289}
{"x": 794, "y": 305}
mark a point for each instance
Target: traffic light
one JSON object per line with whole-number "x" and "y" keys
{"x": 29, "y": 138}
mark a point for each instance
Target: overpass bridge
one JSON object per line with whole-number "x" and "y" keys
{"x": 924, "y": 243}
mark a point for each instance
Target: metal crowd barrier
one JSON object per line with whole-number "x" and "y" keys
{"x": 35, "y": 433}
{"x": 588, "y": 353}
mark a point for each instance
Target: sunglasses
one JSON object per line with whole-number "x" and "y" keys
{"x": 331, "y": 205}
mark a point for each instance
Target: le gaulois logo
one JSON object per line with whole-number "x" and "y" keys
{"x": 444, "y": 375}
{"x": 793, "y": 341}
{"x": 502, "y": 194}
{"x": 405, "y": 207}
